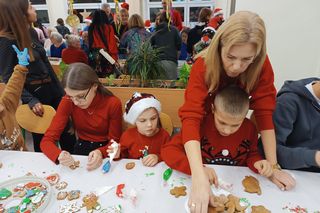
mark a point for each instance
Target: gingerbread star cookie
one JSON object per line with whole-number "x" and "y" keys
{"x": 251, "y": 185}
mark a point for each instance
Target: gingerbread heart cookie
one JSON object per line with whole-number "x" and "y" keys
{"x": 178, "y": 191}
{"x": 251, "y": 185}
{"x": 130, "y": 165}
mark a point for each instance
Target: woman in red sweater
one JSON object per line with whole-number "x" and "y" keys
{"x": 96, "y": 115}
{"x": 147, "y": 137}
{"x": 73, "y": 53}
{"x": 236, "y": 55}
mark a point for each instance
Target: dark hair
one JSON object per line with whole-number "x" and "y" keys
{"x": 60, "y": 21}
{"x": 80, "y": 76}
{"x": 204, "y": 14}
{"x": 185, "y": 30}
{"x": 232, "y": 100}
{"x": 163, "y": 17}
{"x": 99, "y": 19}
{"x": 14, "y": 22}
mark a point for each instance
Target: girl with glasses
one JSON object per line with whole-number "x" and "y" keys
{"x": 96, "y": 116}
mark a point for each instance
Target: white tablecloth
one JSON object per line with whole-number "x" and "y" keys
{"x": 152, "y": 195}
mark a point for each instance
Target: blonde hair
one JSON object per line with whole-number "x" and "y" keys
{"x": 241, "y": 28}
{"x": 135, "y": 20}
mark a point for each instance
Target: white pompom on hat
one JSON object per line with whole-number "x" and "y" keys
{"x": 138, "y": 103}
{"x": 217, "y": 11}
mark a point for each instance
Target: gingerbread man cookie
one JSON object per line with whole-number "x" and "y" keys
{"x": 73, "y": 195}
{"x": 251, "y": 185}
{"x": 178, "y": 191}
{"x": 91, "y": 202}
{"x": 130, "y": 165}
{"x": 75, "y": 165}
{"x": 259, "y": 209}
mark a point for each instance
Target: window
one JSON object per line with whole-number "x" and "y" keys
{"x": 34, "y": 2}
{"x": 86, "y": 1}
{"x": 112, "y": 1}
{"x": 42, "y": 16}
{"x": 194, "y": 13}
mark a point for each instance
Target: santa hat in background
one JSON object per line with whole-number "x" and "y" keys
{"x": 217, "y": 11}
{"x": 147, "y": 23}
{"x": 125, "y": 5}
{"x": 88, "y": 19}
{"x": 138, "y": 103}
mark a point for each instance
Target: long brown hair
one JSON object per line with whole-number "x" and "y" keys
{"x": 241, "y": 28}
{"x": 80, "y": 76}
{"x": 14, "y": 23}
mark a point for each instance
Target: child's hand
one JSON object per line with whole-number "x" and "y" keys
{"x": 264, "y": 168}
{"x": 212, "y": 176}
{"x": 23, "y": 56}
{"x": 65, "y": 159}
{"x": 150, "y": 160}
{"x": 111, "y": 150}
{"x": 94, "y": 159}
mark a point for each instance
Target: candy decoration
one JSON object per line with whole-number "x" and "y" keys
{"x": 119, "y": 192}
{"x": 106, "y": 167}
{"x": 4, "y": 193}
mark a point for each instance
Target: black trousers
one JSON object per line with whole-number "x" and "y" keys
{"x": 83, "y": 147}
{"x": 49, "y": 94}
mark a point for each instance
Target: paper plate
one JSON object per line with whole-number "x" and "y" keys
{"x": 13, "y": 183}
{"x": 33, "y": 123}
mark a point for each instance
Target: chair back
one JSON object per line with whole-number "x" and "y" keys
{"x": 166, "y": 122}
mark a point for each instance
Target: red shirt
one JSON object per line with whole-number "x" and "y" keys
{"x": 132, "y": 142}
{"x": 238, "y": 149}
{"x": 72, "y": 55}
{"x": 101, "y": 121}
{"x": 196, "y": 99}
{"x": 109, "y": 35}
{"x": 177, "y": 20}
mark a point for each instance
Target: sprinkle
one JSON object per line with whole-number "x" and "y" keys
{"x": 149, "y": 174}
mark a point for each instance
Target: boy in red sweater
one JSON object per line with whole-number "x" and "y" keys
{"x": 227, "y": 138}
{"x": 147, "y": 137}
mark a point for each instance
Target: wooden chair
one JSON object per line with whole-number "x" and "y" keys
{"x": 33, "y": 123}
{"x": 166, "y": 122}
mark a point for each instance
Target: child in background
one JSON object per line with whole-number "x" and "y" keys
{"x": 147, "y": 137}
{"x": 10, "y": 133}
{"x": 227, "y": 138}
{"x": 184, "y": 39}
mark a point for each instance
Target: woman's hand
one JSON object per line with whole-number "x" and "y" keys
{"x": 201, "y": 194}
{"x": 94, "y": 159}
{"x": 150, "y": 160}
{"x": 283, "y": 179}
{"x": 65, "y": 159}
{"x": 264, "y": 168}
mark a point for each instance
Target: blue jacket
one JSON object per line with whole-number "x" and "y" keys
{"x": 297, "y": 125}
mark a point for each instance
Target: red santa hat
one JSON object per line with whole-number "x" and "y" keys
{"x": 147, "y": 23}
{"x": 138, "y": 103}
{"x": 125, "y": 5}
{"x": 88, "y": 19}
{"x": 217, "y": 11}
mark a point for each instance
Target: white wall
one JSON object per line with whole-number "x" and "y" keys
{"x": 293, "y": 36}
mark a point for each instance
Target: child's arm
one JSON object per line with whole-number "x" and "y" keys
{"x": 253, "y": 155}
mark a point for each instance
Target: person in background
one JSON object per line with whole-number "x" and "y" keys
{"x": 217, "y": 20}
{"x": 125, "y": 5}
{"x": 134, "y": 37}
{"x": 42, "y": 34}
{"x": 73, "y": 53}
{"x": 107, "y": 9}
{"x": 175, "y": 15}
{"x": 62, "y": 29}
{"x": 87, "y": 21}
{"x": 47, "y": 43}
{"x": 10, "y": 133}
{"x": 96, "y": 116}
{"x": 122, "y": 23}
{"x": 85, "y": 42}
{"x": 147, "y": 137}
{"x": 42, "y": 85}
{"x": 184, "y": 38}
{"x": 57, "y": 45}
{"x": 195, "y": 33}
{"x": 168, "y": 39}
{"x": 236, "y": 55}
{"x": 297, "y": 125}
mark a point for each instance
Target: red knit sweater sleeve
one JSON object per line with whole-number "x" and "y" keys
{"x": 173, "y": 154}
{"x": 48, "y": 143}
{"x": 112, "y": 43}
{"x": 192, "y": 111}
{"x": 165, "y": 137}
{"x": 263, "y": 98}
{"x": 253, "y": 155}
{"x": 83, "y": 57}
{"x": 177, "y": 20}
{"x": 115, "y": 122}
{"x": 125, "y": 143}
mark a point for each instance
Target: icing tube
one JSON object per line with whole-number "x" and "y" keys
{"x": 107, "y": 56}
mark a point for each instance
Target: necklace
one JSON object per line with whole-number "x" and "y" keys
{"x": 91, "y": 113}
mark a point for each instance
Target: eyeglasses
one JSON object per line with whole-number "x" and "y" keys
{"x": 80, "y": 99}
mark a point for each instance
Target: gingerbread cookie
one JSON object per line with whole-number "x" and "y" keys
{"x": 73, "y": 195}
{"x": 178, "y": 191}
{"x": 91, "y": 202}
{"x": 130, "y": 165}
{"x": 62, "y": 195}
{"x": 219, "y": 204}
{"x": 233, "y": 204}
{"x": 259, "y": 209}
{"x": 75, "y": 165}
{"x": 61, "y": 185}
{"x": 251, "y": 185}
{"x": 53, "y": 179}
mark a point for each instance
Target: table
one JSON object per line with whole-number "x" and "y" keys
{"x": 153, "y": 197}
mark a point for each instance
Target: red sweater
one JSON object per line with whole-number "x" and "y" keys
{"x": 132, "y": 142}
{"x": 238, "y": 149}
{"x": 110, "y": 38}
{"x": 197, "y": 102}
{"x": 177, "y": 20}
{"x": 72, "y": 55}
{"x": 104, "y": 122}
